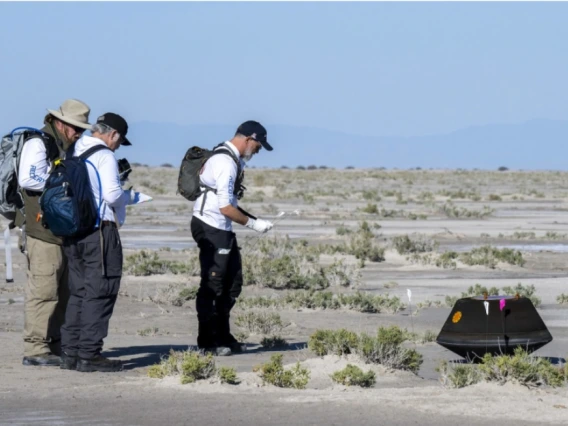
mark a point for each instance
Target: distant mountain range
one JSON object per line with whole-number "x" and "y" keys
{"x": 536, "y": 144}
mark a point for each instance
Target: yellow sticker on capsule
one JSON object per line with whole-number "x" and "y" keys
{"x": 457, "y": 316}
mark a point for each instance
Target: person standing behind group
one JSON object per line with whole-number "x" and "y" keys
{"x": 95, "y": 260}
{"x": 46, "y": 292}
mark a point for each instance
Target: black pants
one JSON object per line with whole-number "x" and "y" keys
{"x": 95, "y": 269}
{"x": 221, "y": 282}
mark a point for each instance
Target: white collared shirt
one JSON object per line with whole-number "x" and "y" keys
{"x": 220, "y": 173}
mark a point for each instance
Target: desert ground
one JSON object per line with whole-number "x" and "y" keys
{"x": 344, "y": 232}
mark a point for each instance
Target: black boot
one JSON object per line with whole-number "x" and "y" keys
{"x": 46, "y": 360}
{"x": 208, "y": 337}
{"x": 68, "y": 362}
{"x": 99, "y": 363}
{"x": 226, "y": 338}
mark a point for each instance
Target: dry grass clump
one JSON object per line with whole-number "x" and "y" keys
{"x": 487, "y": 256}
{"x": 273, "y": 373}
{"x": 386, "y": 348}
{"x": 562, "y": 299}
{"x": 524, "y": 291}
{"x": 361, "y": 244}
{"x": 352, "y": 375}
{"x": 191, "y": 367}
{"x": 403, "y": 244}
{"x": 281, "y": 263}
{"x": 479, "y": 290}
{"x": 147, "y": 262}
{"x": 272, "y": 342}
{"x": 452, "y": 211}
{"x": 460, "y": 194}
{"x": 311, "y": 299}
{"x": 262, "y": 323}
{"x": 175, "y": 294}
{"x": 228, "y": 375}
{"x": 150, "y": 331}
{"x": 490, "y": 256}
{"x": 521, "y": 368}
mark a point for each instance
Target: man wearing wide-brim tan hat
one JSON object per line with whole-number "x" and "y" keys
{"x": 46, "y": 289}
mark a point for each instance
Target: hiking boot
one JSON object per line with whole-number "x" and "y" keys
{"x": 68, "y": 362}
{"x": 46, "y": 360}
{"x": 99, "y": 363}
{"x": 237, "y": 347}
{"x": 223, "y": 351}
{"x": 218, "y": 350}
{"x": 233, "y": 344}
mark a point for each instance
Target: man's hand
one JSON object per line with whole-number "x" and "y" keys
{"x": 134, "y": 197}
{"x": 259, "y": 225}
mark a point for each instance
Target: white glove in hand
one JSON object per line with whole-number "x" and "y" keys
{"x": 259, "y": 225}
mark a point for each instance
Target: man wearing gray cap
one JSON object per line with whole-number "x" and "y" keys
{"x": 46, "y": 289}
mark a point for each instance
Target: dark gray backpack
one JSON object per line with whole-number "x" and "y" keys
{"x": 189, "y": 184}
{"x": 10, "y": 150}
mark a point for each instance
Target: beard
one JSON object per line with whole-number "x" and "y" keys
{"x": 247, "y": 156}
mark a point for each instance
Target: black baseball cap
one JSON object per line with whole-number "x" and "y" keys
{"x": 117, "y": 123}
{"x": 255, "y": 130}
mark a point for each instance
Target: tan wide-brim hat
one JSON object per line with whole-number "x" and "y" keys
{"x": 73, "y": 112}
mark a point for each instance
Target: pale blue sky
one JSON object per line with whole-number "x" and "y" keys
{"x": 365, "y": 68}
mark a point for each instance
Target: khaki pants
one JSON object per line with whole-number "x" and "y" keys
{"x": 46, "y": 297}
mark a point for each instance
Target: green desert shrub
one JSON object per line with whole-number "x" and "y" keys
{"x": 146, "y": 263}
{"x": 386, "y": 348}
{"x": 228, "y": 375}
{"x": 352, "y": 375}
{"x": 520, "y": 368}
{"x": 489, "y": 256}
{"x": 273, "y": 373}
{"x": 273, "y": 342}
{"x": 420, "y": 244}
{"x": 262, "y": 323}
{"x": 189, "y": 365}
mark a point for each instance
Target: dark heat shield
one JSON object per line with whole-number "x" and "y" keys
{"x": 512, "y": 322}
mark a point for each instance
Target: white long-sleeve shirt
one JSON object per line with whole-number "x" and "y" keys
{"x": 113, "y": 196}
{"x": 34, "y": 166}
{"x": 220, "y": 173}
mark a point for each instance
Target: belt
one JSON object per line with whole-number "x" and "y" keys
{"x": 108, "y": 223}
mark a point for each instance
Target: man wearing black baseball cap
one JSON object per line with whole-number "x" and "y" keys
{"x": 95, "y": 260}
{"x": 255, "y": 131}
{"x": 117, "y": 123}
{"x": 212, "y": 228}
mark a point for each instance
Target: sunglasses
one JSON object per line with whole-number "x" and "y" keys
{"x": 79, "y": 130}
{"x": 256, "y": 142}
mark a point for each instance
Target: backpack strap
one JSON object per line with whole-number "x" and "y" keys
{"x": 87, "y": 153}
{"x": 222, "y": 148}
{"x": 83, "y": 157}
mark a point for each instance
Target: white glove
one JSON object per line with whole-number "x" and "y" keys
{"x": 259, "y": 225}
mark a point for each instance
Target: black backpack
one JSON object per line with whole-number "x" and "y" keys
{"x": 67, "y": 203}
{"x": 189, "y": 184}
